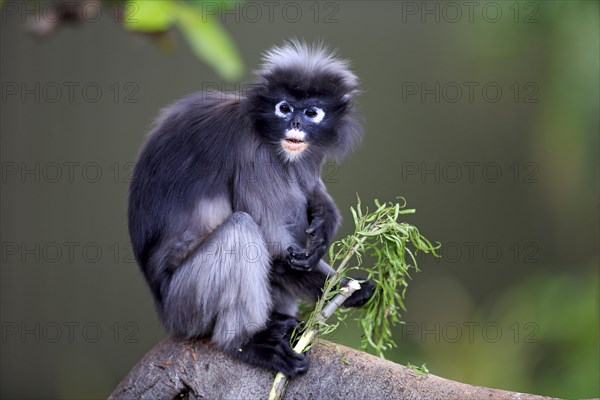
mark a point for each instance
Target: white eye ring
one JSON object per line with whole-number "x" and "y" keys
{"x": 278, "y": 109}
{"x": 318, "y": 117}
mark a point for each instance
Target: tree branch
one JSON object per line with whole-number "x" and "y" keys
{"x": 197, "y": 370}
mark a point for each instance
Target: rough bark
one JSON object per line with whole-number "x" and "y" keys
{"x": 196, "y": 370}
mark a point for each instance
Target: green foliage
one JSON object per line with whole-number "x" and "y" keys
{"x": 547, "y": 341}
{"x": 563, "y": 357}
{"x": 150, "y": 16}
{"x": 210, "y": 42}
{"x": 205, "y": 35}
{"x": 392, "y": 245}
{"x": 422, "y": 370}
{"x": 389, "y": 243}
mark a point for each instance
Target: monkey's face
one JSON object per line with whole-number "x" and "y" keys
{"x": 302, "y": 104}
{"x": 300, "y": 122}
{"x": 298, "y": 126}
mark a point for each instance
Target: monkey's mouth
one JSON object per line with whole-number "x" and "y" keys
{"x": 294, "y": 145}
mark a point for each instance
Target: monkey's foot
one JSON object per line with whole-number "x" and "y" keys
{"x": 271, "y": 349}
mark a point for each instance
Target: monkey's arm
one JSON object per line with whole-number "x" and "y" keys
{"x": 323, "y": 214}
{"x": 324, "y": 220}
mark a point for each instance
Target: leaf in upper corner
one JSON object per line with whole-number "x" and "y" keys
{"x": 210, "y": 42}
{"x": 149, "y": 16}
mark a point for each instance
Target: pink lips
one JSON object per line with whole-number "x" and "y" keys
{"x": 294, "y": 145}
{"x": 294, "y": 141}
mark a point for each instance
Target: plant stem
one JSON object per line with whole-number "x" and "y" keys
{"x": 307, "y": 337}
{"x": 327, "y": 311}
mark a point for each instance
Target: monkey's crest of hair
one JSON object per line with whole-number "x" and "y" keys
{"x": 308, "y": 60}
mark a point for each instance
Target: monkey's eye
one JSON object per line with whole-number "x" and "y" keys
{"x": 282, "y": 109}
{"x": 315, "y": 113}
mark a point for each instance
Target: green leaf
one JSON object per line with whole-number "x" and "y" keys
{"x": 149, "y": 16}
{"x": 210, "y": 42}
{"x": 422, "y": 370}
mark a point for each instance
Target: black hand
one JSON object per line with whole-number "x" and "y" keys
{"x": 306, "y": 259}
{"x": 360, "y": 297}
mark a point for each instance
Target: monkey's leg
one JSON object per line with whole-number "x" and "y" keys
{"x": 223, "y": 287}
{"x": 223, "y": 290}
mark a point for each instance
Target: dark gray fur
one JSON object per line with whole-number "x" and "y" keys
{"x": 214, "y": 206}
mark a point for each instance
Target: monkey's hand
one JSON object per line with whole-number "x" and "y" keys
{"x": 360, "y": 297}
{"x": 306, "y": 259}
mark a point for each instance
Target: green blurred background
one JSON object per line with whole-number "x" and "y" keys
{"x": 483, "y": 115}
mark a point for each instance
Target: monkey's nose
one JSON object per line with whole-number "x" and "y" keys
{"x": 296, "y": 123}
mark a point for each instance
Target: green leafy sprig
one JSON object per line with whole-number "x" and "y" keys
{"x": 392, "y": 245}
